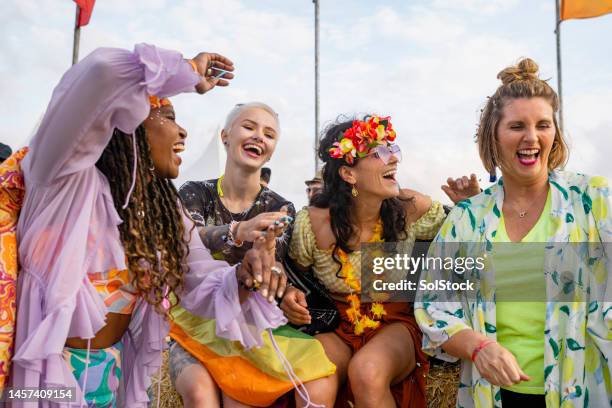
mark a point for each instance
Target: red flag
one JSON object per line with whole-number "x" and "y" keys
{"x": 85, "y": 9}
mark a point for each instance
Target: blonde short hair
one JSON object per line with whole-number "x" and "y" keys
{"x": 236, "y": 110}
{"x": 518, "y": 81}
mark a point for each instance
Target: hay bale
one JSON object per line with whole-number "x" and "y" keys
{"x": 169, "y": 398}
{"x": 442, "y": 384}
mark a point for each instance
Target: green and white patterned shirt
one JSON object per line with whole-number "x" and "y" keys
{"x": 578, "y": 331}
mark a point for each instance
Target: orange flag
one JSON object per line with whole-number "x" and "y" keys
{"x": 584, "y": 8}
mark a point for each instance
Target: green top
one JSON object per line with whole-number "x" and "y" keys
{"x": 520, "y": 290}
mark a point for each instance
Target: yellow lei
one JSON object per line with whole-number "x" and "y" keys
{"x": 347, "y": 274}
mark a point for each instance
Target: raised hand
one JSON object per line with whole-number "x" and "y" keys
{"x": 206, "y": 63}
{"x": 461, "y": 188}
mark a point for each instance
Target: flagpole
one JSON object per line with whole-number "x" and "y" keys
{"x": 559, "y": 76}
{"x": 316, "y": 138}
{"x": 77, "y": 37}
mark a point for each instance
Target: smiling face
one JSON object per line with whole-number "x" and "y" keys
{"x": 166, "y": 140}
{"x": 251, "y": 138}
{"x": 525, "y": 137}
{"x": 371, "y": 176}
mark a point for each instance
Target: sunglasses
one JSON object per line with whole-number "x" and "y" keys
{"x": 384, "y": 152}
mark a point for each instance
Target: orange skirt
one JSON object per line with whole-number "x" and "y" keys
{"x": 410, "y": 393}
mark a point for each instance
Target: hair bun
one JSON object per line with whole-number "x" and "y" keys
{"x": 525, "y": 70}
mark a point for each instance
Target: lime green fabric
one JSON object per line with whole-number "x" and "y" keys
{"x": 519, "y": 270}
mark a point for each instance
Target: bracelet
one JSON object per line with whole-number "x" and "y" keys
{"x": 230, "y": 239}
{"x": 480, "y": 346}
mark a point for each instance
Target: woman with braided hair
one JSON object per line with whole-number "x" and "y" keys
{"x": 104, "y": 241}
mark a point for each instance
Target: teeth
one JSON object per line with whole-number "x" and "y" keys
{"x": 528, "y": 152}
{"x": 389, "y": 173}
{"x": 255, "y": 147}
{"x": 178, "y": 148}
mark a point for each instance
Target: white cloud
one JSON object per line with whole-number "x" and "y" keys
{"x": 486, "y": 7}
{"x": 428, "y": 64}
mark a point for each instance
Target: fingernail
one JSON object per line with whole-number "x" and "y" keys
{"x": 280, "y": 293}
{"x": 259, "y": 279}
{"x": 271, "y": 299}
{"x": 264, "y": 292}
{"x": 276, "y": 222}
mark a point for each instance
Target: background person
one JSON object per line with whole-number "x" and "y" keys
{"x": 265, "y": 175}
{"x": 314, "y": 186}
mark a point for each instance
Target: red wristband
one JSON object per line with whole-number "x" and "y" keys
{"x": 482, "y": 345}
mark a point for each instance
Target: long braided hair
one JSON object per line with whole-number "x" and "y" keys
{"x": 152, "y": 231}
{"x": 337, "y": 197}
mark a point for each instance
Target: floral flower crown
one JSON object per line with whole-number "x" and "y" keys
{"x": 362, "y": 137}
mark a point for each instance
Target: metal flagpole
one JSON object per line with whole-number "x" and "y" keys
{"x": 316, "y": 138}
{"x": 559, "y": 76}
{"x": 77, "y": 36}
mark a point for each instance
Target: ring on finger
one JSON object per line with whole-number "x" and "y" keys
{"x": 209, "y": 72}
{"x": 276, "y": 270}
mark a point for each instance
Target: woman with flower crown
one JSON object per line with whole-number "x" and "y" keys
{"x": 377, "y": 345}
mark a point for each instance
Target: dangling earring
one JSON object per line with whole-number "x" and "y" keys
{"x": 354, "y": 191}
{"x": 493, "y": 176}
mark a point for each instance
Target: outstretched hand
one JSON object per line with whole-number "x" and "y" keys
{"x": 461, "y": 188}
{"x": 206, "y": 64}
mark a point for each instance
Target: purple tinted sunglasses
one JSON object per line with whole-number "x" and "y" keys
{"x": 384, "y": 152}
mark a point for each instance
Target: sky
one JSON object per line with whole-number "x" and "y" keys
{"x": 428, "y": 64}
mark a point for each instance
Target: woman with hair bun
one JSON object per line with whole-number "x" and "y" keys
{"x": 553, "y": 347}
{"x": 377, "y": 345}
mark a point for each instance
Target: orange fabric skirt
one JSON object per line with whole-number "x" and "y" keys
{"x": 410, "y": 393}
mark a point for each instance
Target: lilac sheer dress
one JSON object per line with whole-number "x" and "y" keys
{"x": 68, "y": 227}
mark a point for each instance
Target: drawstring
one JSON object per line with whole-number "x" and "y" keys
{"x": 295, "y": 380}
{"x": 159, "y": 377}
{"x": 127, "y": 198}
{"x": 86, "y": 370}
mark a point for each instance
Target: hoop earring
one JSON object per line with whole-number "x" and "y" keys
{"x": 354, "y": 191}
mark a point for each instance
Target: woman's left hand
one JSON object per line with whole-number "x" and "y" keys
{"x": 461, "y": 188}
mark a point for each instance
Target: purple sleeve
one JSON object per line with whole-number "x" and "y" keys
{"x": 211, "y": 291}
{"x": 108, "y": 89}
